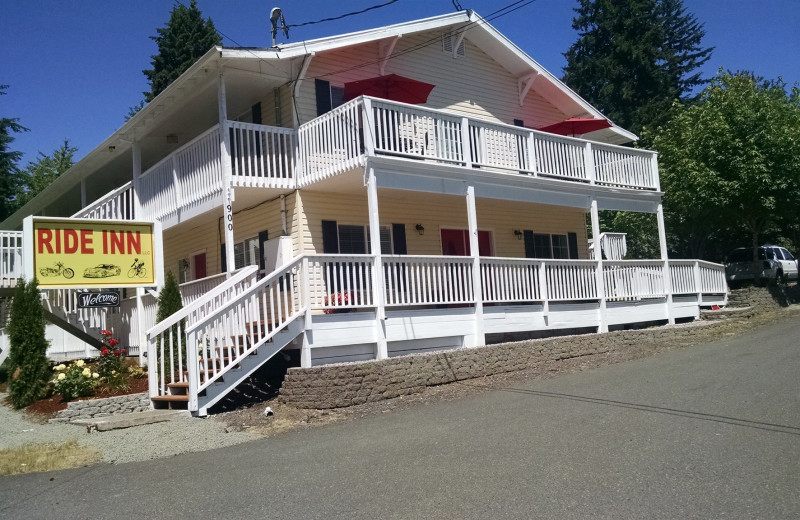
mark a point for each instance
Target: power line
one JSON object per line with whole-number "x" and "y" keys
{"x": 390, "y": 2}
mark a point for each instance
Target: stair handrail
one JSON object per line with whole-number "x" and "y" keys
{"x": 85, "y": 211}
{"x": 185, "y": 312}
{"x": 193, "y": 357}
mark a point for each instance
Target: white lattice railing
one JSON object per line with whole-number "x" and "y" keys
{"x": 10, "y": 257}
{"x": 114, "y": 205}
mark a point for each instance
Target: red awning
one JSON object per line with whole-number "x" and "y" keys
{"x": 576, "y": 126}
{"x": 391, "y": 87}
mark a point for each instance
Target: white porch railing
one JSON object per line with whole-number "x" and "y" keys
{"x": 511, "y": 280}
{"x": 633, "y": 280}
{"x": 188, "y": 176}
{"x": 697, "y": 277}
{"x": 340, "y": 282}
{"x": 10, "y": 258}
{"x": 262, "y": 156}
{"x": 248, "y": 320}
{"x": 114, "y": 205}
{"x": 333, "y": 143}
{"x": 166, "y": 348}
{"x": 428, "y": 280}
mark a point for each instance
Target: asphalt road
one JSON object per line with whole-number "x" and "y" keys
{"x": 711, "y": 431}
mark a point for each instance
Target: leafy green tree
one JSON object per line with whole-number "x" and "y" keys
{"x": 10, "y": 177}
{"x": 633, "y": 58}
{"x": 185, "y": 38}
{"x": 28, "y": 346}
{"x": 730, "y": 165}
{"x": 47, "y": 168}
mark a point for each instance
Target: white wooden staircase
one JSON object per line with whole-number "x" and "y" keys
{"x": 200, "y": 354}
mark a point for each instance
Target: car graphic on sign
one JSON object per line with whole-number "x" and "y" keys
{"x": 102, "y": 271}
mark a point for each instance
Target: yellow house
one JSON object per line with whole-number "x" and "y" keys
{"x": 367, "y": 195}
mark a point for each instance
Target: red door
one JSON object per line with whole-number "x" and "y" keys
{"x": 199, "y": 266}
{"x": 455, "y": 242}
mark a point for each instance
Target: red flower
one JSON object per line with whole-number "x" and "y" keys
{"x": 112, "y": 342}
{"x": 116, "y": 353}
{"x": 123, "y": 352}
{"x": 104, "y": 351}
{"x": 105, "y": 332}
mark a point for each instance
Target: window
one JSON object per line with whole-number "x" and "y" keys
{"x": 246, "y": 253}
{"x": 545, "y": 245}
{"x": 355, "y": 240}
{"x": 787, "y": 255}
{"x": 328, "y": 96}
{"x": 560, "y": 247}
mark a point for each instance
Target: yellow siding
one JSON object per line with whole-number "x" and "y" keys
{"x": 183, "y": 241}
{"x": 473, "y": 85}
{"x": 436, "y": 212}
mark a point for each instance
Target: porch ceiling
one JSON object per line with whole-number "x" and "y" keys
{"x": 410, "y": 175}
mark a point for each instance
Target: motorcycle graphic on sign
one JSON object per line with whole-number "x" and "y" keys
{"x": 58, "y": 270}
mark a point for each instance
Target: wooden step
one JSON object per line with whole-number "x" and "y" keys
{"x": 172, "y": 398}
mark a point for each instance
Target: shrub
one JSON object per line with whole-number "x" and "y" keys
{"x": 74, "y": 381}
{"x": 109, "y": 364}
{"x": 28, "y": 346}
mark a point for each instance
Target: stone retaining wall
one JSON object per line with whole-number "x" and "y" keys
{"x": 103, "y": 407}
{"x": 335, "y": 386}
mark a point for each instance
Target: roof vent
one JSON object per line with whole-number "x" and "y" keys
{"x": 447, "y": 44}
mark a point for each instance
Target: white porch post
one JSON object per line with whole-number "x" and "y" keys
{"x": 598, "y": 272}
{"x": 662, "y": 242}
{"x": 227, "y": 184}
{"x": 305, "y": 349}
{"x": 378, "y": 290}
{"x": 472, "y": 217}
{"x": 136, "y": 150}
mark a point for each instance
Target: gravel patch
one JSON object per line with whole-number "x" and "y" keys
{"x": 182, "y": 435}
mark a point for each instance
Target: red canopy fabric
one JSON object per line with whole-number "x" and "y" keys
{"x": 576, "y": 126}
{"x": 391, "y": 87}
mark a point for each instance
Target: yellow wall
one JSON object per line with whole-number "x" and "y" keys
{"x": 473, "y": 85}
{"x": 435, "y": 212}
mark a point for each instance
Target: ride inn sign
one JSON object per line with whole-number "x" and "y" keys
{"x": 92, "y": 254}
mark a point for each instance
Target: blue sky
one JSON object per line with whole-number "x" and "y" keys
{"x": 74, "y": 67}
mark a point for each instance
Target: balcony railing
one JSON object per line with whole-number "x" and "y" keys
{"x": 337, "y": 141}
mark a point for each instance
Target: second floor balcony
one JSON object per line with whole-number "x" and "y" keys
{"x": 192, "y": 179}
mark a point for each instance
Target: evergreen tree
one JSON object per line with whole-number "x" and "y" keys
{"x": 47, "y": 168}
{"x": 633, "y": 58}
{"x": 10, "y": 179}
{"x": 28, "y": 347}
{"x": 170, "y": 302}
{"x": 185, "y": 38}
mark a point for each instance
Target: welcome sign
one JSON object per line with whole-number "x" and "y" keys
{"x": 90, "y": 300}
{"x": 92, "y": 253}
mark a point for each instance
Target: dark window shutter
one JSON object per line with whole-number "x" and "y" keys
{"x": 530, "y": 250}
{"x": 255, "y": 111}
{"x": 330, "y": 237}
{"x": 519, "y": 122}
{"x": 263, "y": 236}
{"x": 222, "y": 255}
{"x": 399, "y": 239}
{"x": 323, "y": 90}
{"x": 572, "y": 241}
